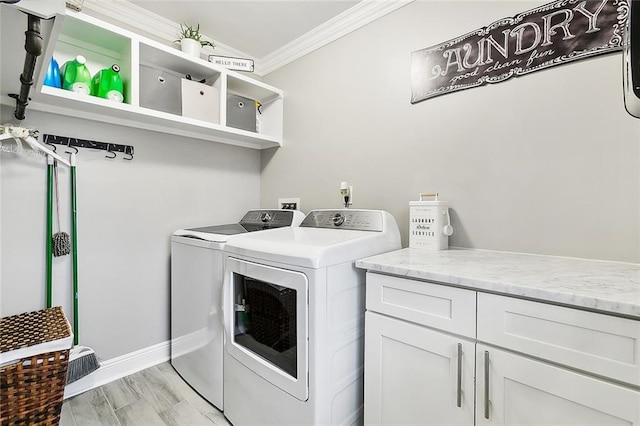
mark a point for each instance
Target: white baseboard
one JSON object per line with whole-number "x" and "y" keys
{"x": 116, "y": 368}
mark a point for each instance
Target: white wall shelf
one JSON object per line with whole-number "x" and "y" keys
{"x": 104, "y": 44}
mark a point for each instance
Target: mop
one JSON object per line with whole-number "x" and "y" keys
{"x": 82, "y": 359}
{"x": 60, "y": 240}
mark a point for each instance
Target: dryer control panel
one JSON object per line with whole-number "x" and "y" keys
{"x": 355, "y": 220}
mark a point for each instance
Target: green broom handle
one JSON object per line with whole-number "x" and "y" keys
{"x": 74, "y": 248}
{"x": 49, "y": 239}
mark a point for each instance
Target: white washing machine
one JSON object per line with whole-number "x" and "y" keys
{"x": 294, "y": 319}
{"x": 197, "y": 263}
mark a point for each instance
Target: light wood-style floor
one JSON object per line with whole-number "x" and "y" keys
{"x": 155, "y": 396}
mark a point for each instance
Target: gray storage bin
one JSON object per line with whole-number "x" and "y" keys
{"x": 160, "y": 90}
{"x": 241, "y": 113}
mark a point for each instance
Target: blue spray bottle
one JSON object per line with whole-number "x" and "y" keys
{"x": 52, "y": 78}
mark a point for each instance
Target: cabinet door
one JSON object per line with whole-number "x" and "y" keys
{"x": 415, "y": 375}
{"x": 522, "y": 391}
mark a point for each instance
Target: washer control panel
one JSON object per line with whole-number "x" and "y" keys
{"x": 265, "y": 217}
{"x": 355, "y": 220}
{"x": 273, "y": 218}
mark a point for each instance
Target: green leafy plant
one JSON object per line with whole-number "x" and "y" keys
{"x": 187, "y": 31}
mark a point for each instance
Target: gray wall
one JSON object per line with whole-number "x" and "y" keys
{"x": 547, "y": 163}
{"x": 126, "y": 213}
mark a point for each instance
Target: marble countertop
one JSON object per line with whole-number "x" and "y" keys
{"x": 609, "y": 287}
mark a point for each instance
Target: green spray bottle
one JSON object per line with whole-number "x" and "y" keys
{"x": 76, "y": 76}
{"x": 108, "y": 84}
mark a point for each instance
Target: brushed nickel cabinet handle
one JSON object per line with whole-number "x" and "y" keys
{"x": 486, "y": 384}
{"x": 459, "y": 395}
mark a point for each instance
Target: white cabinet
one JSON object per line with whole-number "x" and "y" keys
{"x": 104, "y": 44}
{"x": 445, "y": 308}
{"x": 523, "y": 391}
{"x": 592, "y": 342}
{"x": 416, "y": 375}
{"x": 532, "y": 363}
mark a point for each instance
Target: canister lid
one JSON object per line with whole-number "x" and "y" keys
{"x": 429, "y": 203}
{"x": 422, "y": 202}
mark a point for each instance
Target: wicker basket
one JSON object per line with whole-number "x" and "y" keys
{"x": 32, "y": 385}
{"x": 272, "y": 315}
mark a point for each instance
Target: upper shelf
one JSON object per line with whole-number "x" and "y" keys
{"x": 104, "y": 44}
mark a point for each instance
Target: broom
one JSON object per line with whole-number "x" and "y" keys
{"x": 82, "y": 359}
{"x": 49, "y": 241}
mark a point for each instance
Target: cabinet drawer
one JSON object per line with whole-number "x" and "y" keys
{"x": 601, "y": 344}
{"x": 446, "y": 308}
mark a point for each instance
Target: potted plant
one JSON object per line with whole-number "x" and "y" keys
{"x": 191, "y": 40}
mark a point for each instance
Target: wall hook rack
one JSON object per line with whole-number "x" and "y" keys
{"x": 76, "y": 143}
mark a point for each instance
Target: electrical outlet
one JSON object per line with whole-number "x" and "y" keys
{"x": 346, "y": 190}
{"x": 289, "y": 203}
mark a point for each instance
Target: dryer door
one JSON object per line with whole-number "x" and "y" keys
{"x": 266, "y": 323}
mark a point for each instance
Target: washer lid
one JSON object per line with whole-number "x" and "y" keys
{"x": 218, "y": 233}
{"x": 316, "y": 247}
{"x": 253, "y": 220}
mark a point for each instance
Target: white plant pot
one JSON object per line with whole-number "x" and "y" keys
{"x": 190, "y": 47}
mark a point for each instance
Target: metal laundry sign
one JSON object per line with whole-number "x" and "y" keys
{"x": 549, "y": 35}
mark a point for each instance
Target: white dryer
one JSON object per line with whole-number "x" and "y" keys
{"x": 197, "y": 263}
{"x": 294, "y": 319}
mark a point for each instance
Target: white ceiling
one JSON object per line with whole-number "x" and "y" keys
{"x": 255, "y": 27}
{"x": 272, "y": 32}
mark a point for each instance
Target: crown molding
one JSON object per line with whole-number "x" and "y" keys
{"x": 350, "y": 20}
{"x": 164, "y": 30}
{"x": 141, "y": 20}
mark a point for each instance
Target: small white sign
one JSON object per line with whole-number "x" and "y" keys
{"x": 237, "y": 64}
